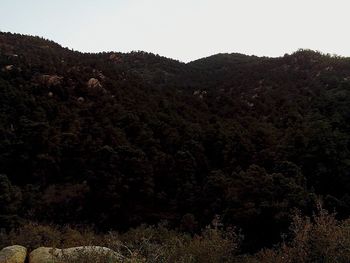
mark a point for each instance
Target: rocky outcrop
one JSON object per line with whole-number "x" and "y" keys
{"x": 98, "y": 74}
{"x": 51, "y": 80}
{"x": 94, "y": 83}
{"x": 49, "y": 255}
{"x": 8, "y": 67}
{"x": 200, "y": 93}
{"x": 13, "y": 254}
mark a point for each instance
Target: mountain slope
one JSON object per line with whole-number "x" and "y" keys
{"x": 116, "y": 140}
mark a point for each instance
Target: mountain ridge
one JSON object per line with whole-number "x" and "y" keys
{"x": 57, "y": 45}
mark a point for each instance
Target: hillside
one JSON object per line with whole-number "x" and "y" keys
{"x": 116, "y": 140}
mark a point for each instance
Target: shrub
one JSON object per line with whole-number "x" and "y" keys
{"x": 321, "y": 238}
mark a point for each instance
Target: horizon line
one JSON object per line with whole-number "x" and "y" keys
{"x": 178, "y": 60}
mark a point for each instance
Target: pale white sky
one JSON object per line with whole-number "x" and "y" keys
{"x": 185, "y": 29}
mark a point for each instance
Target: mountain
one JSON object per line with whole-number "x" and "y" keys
{"x": 116, "y": 140}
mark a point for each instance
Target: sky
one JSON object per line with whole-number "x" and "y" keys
{"x": 185, "y": 29}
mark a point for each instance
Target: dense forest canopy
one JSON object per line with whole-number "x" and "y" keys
{"x": 115, "y": 140}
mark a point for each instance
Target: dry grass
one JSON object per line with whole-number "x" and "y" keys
{"x": 143, "y": 244}
{"x": 320, "y": 238}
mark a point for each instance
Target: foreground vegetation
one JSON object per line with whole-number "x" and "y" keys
{"x": 321, "y": 238}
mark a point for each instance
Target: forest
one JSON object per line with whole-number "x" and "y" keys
{"x": 113, "y": 141}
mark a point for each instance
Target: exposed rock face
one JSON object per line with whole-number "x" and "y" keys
{"x": 49, "y": 255}
{"x": 51, "y": 80}
{"x": 94, "y": 83}
{"x": 13, "y": 254}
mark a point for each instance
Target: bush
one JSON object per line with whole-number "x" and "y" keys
{"x": 159, "y": 244}
{"x": 321, "y": 238}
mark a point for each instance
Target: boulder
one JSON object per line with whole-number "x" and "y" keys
{"x": 42, "y": 255}
{"x": 13, "y": 254}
